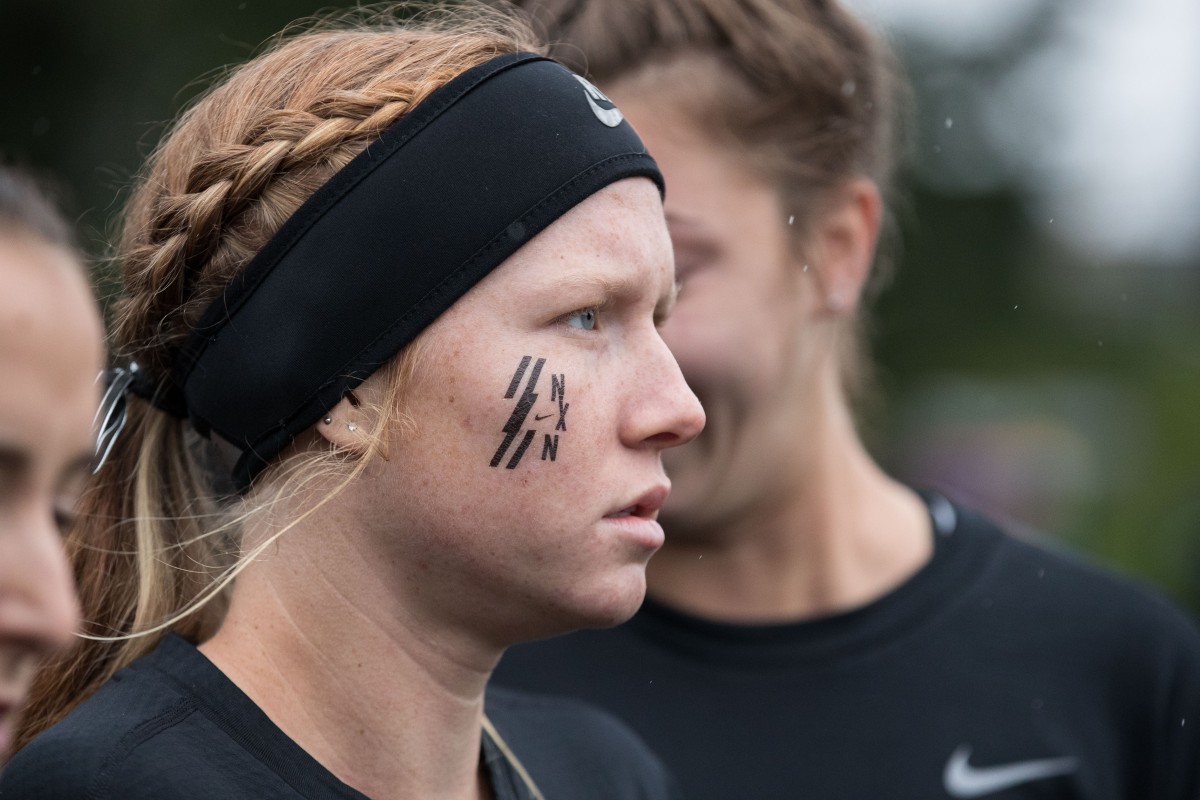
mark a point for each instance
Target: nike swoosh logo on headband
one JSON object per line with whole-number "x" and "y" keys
{"x": 610, "y": 116}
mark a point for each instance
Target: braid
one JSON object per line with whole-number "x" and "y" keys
{"x": 210, "y": 226}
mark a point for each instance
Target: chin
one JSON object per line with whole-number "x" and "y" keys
{"x": 607, "y": 606}
{"x": 621, "y": 604}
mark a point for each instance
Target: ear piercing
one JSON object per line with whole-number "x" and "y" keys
{"x": 328, "y": 420}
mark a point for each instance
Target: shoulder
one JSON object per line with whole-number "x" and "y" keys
{"x": 94, "y": 744}
{"x": 143, "y": 735}
{"x": 1096, "y": 596}
{"x": 567, "y": 745}
{"x": 1109, "y": 619}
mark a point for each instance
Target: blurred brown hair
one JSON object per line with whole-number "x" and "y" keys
{"x": 26, "y": 208}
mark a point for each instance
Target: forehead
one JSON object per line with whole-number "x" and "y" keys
{"x": 50, "y": 344}
{"x": 616, "y": 235}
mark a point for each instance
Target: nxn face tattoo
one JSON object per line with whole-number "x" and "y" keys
{"x": 520, "y": 412}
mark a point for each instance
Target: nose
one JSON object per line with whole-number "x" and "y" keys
{"x": 39, "y": 610}
{"x": 666, "y": 412}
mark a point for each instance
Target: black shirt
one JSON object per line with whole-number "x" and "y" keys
{"x": 174, "y": 726}
{"x": 1000, "y": 670}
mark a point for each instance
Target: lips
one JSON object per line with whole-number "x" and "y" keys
{"x": 646, "y": 506}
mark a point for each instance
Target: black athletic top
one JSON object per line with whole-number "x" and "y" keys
{"x": 173, "y": 727}
{"x": 1000, "y": 670}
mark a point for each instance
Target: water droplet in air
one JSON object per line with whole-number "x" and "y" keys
{"x": 937, "y": 148}
{"x": 806, "y": 267}
{"x": 949, "y": 123}
{"x": 792, "y": 219}
{"x": 848, "y": 88}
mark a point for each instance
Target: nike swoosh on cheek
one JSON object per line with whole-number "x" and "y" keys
{"x": 537, "y": 418}
{"x": 964, "y": 781}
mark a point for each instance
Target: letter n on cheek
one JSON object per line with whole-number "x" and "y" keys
{"x": 550, "y": 447}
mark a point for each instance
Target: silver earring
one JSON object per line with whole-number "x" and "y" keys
{"x": 350, "y": 426}
{"x": 328, "y": 420}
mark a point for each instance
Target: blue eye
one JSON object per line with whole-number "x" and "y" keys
{"x": 584, "y": 319}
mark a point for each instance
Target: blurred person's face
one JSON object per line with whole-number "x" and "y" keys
{"x": 523, "y": 499}
{"x": 50, "y": 354}
{"x": 747, "y": 329}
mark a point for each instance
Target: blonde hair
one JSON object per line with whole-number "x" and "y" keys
{"x": 156, "y": 546}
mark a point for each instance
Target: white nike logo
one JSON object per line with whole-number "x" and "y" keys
{"x": 609, "y": 116}
{"x": 963, "y": 780}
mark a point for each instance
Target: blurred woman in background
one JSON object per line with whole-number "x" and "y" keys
{"x": 50, "y": 354}
{"x": 814, "y": 628}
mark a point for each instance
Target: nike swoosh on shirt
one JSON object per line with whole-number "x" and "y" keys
{"x": 963, "y": 780}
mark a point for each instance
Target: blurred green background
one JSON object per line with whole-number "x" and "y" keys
{"x": 1039, "y": 348}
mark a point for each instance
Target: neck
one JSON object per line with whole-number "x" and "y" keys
{"x": 833, "y": 533}
{"x": 389, "y": 703}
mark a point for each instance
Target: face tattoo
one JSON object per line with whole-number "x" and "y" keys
{"x": 558, "y": 389}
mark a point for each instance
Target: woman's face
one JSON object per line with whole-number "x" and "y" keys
{"x": 747, "y": 330}
{"x": 523, "y": 501}
{"x": 50, "y": 353}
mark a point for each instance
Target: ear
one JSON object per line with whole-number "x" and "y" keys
{"x": 845, "y": 238}
{"x": 343, "y": 425}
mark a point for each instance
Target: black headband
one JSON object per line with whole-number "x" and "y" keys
{"x": 452, "y": 189}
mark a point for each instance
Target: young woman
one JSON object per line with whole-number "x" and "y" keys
{"x": 814, "y": 628}
{"x": 50, "y": 353}
{"x": 389, "y": 329}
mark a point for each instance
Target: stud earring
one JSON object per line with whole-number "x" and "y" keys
{"x": 328, "y": 420}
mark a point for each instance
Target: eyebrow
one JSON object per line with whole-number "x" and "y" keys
{"x": 13, "y": 458}
{"x": 684, "y": 221}
{"x": 610, "y": 287}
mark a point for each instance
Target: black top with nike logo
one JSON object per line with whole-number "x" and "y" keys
{"x": 1000, "y": 670}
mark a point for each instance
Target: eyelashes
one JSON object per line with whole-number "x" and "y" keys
{"x": 584, "y": 319}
